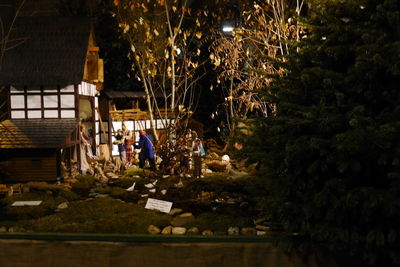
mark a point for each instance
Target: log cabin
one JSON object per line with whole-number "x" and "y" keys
{"x": 53, "y": 75}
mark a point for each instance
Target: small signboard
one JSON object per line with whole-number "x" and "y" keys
{"x": 156, "y": 204}
{"x": 26, "y": 203}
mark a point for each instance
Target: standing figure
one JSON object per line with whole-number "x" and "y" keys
{"x": 120, "y": 141}
{"x": 146, "y": 150}
{"x": 128, "y": 144}
{"x": 198, "y": 152}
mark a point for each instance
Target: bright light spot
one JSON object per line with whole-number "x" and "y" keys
{"x": 227, "y": 28}
{"x": 178, "y": 51}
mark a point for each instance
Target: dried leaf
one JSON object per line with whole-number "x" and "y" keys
{"x": 198, "y": 52}
{"x": 116, "y": 2}
{"x": 174, "y": 8}
{"x": 197, "y": 23}
{"x": 198, "y": 35}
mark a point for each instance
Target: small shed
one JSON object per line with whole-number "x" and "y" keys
{"x": 53, "y": 76}
{"x": 34, "y": 149}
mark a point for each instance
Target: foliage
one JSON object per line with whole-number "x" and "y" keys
{"x": 48, "y": 205}
{"x": 332, "y": 152}
{"x": 90, "y": 216}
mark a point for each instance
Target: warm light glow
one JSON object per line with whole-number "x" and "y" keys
{"x": 227, "y": 28}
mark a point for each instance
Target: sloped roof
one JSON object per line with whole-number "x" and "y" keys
{"x": 127, "y": 94}
{"x": 35, "y": 133}
{"x": 49, "y": 51}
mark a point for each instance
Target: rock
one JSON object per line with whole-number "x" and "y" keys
{"x": 260, "y": 233}
{"x": 152, "y": 190}
{"x": 248, "y": 231}
{"x": 182, "y": 219}
{"x": 207, "y": 232}
{"x": 153, "y": 230}
{"x": 62, "y": 206}
{"x": 263, "y": 228}
{"x": 175, "y": 211}
{"x": 207, "y": 171}
{"x": 3, "y": 229}
{"x": 178, "y": 230}
{"x": 164, "y": 191}
{"x": 167, "y": 230}
{"x": 193, "y": 231}
{"x": 233, "y": 231}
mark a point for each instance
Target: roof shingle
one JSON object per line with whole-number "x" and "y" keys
{"x": 50, "y": 51}
{"x": 35, "y": 133}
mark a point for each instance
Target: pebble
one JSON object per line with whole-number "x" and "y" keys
{"x": 153, "y": 230}
{"x": 178, "y": 230}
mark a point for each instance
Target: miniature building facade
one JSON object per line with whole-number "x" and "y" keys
{"x": 53, "y": 77}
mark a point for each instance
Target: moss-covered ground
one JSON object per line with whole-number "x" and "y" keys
{"x": 216, "y": 201}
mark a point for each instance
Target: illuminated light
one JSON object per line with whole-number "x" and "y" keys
{"x": 227, "y": 28}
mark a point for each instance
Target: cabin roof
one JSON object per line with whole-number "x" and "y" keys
{"x": 46, "y": 51}
{"x": 35, "y": 133}
{"x": 127, "y": 94}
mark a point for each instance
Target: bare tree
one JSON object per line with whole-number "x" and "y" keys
{"x": 164, "y": 53}
{"x": 245, "y": 57}
{"x": 7, "y": 24}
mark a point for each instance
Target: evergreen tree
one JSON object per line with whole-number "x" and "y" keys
{"x": 333, "y": 150}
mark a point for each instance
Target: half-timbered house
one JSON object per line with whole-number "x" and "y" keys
{"x": 53, "y": 75}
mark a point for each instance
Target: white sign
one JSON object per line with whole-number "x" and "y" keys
{"x": 156, "y": 204}
{"x": 26, "y": 203}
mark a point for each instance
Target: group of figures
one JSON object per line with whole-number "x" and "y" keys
{"x": 125, "y": 141}
{"x": 192, "y": 147}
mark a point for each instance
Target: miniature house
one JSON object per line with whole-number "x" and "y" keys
{"x": 53, "y": 75}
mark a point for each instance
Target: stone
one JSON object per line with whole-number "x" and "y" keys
{"x": 248, "y": 231}
{"x": 193, "y": 231}
{"x": 164, "y": 191}
{"x": 182, "y": 219}
{"x": 233, "y": 230}
{"x": 261, "y": 233}
{"x": 167, "y": 230}
{"x": 3, "y": 229}
{"x": 178, "y": 230}
{"x": 207, "y": 232}
{"x": 62, "y": 206}
{"x": 207, "y": 171}
{"x": 175, "y": 211}
{"x": 153, "y": 230}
